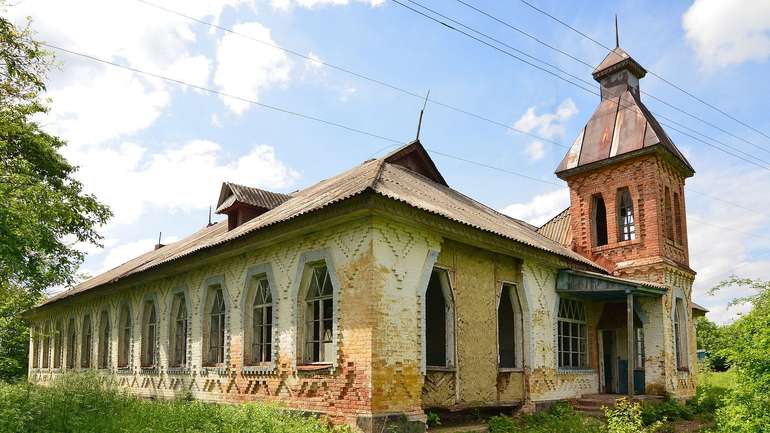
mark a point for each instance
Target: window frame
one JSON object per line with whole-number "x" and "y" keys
{"x": 626, "y": 221}
{"x": 260, "y": 272}
{"x": 71, "y": 361}
{"x": 209, "y": 288}
{"x": 35, "y": 338}
{"x": 581, "y": 336}
{"x": 179, "y": 300}
{"x": 313, "y": 316}
{"x": 595, "y": 223}
{"x": 86, "y": 342}
{"x": 125, "y": 336}
{"x": 45, "y": 362}
{"x": 150, "y": 331}
{"x": 679, "y": 325}
{"x": 58, "y": 344}
{"x": 104, "y": 355}
{"x": 445, "y": 279}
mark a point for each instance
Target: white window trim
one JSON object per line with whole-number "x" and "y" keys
{"x": 559, "y": 369}
{"x": 447, "y": 289}
{"x": 247, "y": 302}
{"x": 297, "y": 293}
{"x": 171, "y": 325}
{"x": 684, "y": 330}
{"x": 150, "y": 297}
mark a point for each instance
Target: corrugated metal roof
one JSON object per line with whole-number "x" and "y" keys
{"x": 389, "y": 180}
{"x": 233, "y": 192}
{"x": 558, "y": 228}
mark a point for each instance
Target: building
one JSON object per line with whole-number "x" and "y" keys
{"x": 379, "y": 293}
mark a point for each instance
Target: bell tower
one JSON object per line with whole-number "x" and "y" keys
{"x": 626, "y": 179}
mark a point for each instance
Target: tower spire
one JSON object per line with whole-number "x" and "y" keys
{"x": 617, "y": 33}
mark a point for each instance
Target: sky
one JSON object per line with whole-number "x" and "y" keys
{"x": 157, "y": 152}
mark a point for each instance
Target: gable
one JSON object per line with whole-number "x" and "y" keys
{"x": 414, "y": 157}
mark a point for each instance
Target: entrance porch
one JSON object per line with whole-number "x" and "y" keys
{"x": 623, "y": 326}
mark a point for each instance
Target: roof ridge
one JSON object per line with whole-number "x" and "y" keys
{"x": 553, "y": 218}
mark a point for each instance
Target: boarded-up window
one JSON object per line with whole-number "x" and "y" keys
{"x": 124, "y": 338}
{"x": 680, "y": 334}
{"x": 87, "y": 339}
{"x": 104, "y": 340}
{"x": 57, "y": 344}
{"x": 46, "y": 345}
{"x": 678, "y": 218}
{"x": 668, "y": 214}
{"x": 71, "y": 343}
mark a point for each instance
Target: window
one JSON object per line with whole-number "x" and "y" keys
{"x": 149, "y": 335}
{"x": 124, "y": 337}
{"x": 46, "y": 345}
{"x": 677, "y": 218}
{"x": 86, "y": 347}
{"x": 509, "y": 328}
{"x": 639, "y": 346}
{"x": 571, "y": 329}
{"x": 680, "y": 336}
{"x": 71, "y": 343}
{"x": 57, "y": 344}
{"x": 179, "y": 325}
{"x": 216, "y": 347}
{"x": 261, "y": 331}
{"x": 626, "y": 229}
{"x": 439, "y": 321}
{"x": 599, "y": 220}
{"x": 35, "y": 347}
{"x": 319, "y": 317}
{"x": 669, "y": 217}
{"x": 104, "y": 340}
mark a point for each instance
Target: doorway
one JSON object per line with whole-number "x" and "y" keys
{"x": 608, "y": 351}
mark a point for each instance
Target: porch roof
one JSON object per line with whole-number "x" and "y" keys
{"x": 599, "y": 287}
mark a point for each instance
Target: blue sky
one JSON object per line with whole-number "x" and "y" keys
{"x": 158, "y": 152}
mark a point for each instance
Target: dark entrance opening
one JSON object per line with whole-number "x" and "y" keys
{"x": 435, "y": 323}
{"x": 608, "y": 347}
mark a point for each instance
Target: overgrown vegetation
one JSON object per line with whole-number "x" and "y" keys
{"x": 81, "y": 404}
{"x": 44, "y": 212}
{"x": 560, "y": 418}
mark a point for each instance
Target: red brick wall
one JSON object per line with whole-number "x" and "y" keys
{"x": 646, "y": 178}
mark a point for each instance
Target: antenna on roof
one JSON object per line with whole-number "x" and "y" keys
{"x": 209, "y": 225}
{"x": 419, "y": 123}
{"x": 159, "y": 245}
{"x": 617, "y": 33}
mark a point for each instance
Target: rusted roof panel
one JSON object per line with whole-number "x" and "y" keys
{"x": 598, "y": 133}
{"x": 631, "y": 126}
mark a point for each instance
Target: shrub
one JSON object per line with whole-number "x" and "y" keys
{"x": 82, "y": 404}
{"x": 560, "y": 418}
{"x": 626, "y": 417}
{"x": 667, "y": 410}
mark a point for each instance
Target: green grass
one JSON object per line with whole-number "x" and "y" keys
{"x": 81, "y": 404}
{"x": 722, "y": 379}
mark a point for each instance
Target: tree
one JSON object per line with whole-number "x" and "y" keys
{"x": 44, "y": 212}
{"x": 747, "y": 408}
{"x": 711, "y": 338}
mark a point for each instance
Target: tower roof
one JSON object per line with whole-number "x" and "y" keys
{"x": 621, "y": 127}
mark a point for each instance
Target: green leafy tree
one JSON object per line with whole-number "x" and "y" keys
{"x": 43, "y": 211}
{"x": 711, "y": 337}
{"x": 747, "y": 407}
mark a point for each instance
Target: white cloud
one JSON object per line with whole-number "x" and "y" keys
{"x": 245, "y": 69}
{"x": 313, "y": 62}
{"x": 541, "y": 208}
{"x": 548, "y": 125}
{"x": 186, "y": 178}
{"x": 728, "y": 32}
{"x": 536, "y": 150}
{"x": 93, "y": 102}
{"x": 286, "y": 5}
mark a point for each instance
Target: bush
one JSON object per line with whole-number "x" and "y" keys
{"x": 667, "y": 410}
{"x": 626, "y": 417}
{"x": 560, "y": 418}
{"x": 80, "y": 403}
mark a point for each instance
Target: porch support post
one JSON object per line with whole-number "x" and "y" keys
{"x": 630, "y": 340}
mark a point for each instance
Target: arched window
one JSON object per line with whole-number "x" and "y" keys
{"x": 439, "y": 321}
{"x": 104, "y": 340}
{"x": 179, "y": 321}
{"x": 677, "y": 218}
{"x": 57, "y": 344}
{"x": 217, "y": 323}
{"x": 571, "y": 329}
{"x": 72, "y": 339}
{"x": 150, "y": 335}
{"x": 599, "y": 220}
{"x": 87, "y": 343}
{"x": 124, "y": 337}
{"x": 261, "y": 329}
{"x": 626, "y": 228}
{"x": 668, "y": 214}
{"x": 46, "y": 345}
{"x": 680, "y": 334}
{"x": 319, "y": 316}
{"x": 509, "y": 328}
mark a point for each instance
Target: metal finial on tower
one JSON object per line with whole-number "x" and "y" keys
{"x": 617, "y": 33}
{"x": 419, "y": 123}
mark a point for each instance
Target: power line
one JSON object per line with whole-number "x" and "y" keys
{"x": 686, "y": 92}
{"x": 591, "y": 91}
{"x": 353, "y": 73}
{"x": 281, "y": 110}
{"x": 583, "y": 62}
